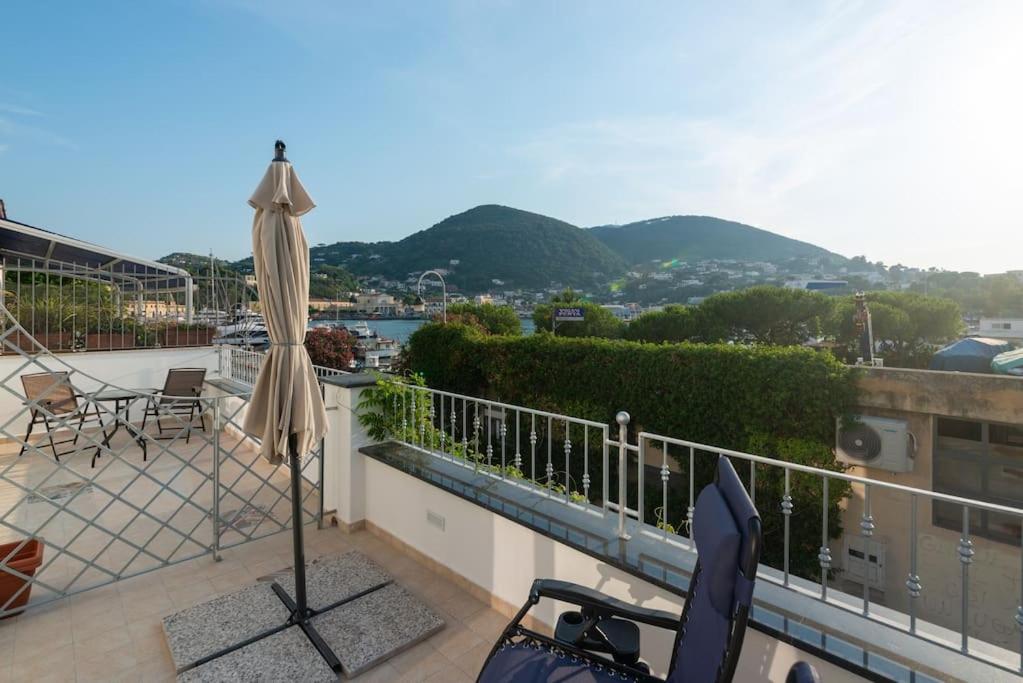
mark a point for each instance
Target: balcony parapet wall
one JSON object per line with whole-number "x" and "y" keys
{"x": 993, "y": 398}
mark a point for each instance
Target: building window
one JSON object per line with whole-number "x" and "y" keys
{"x": 983, "y": 461}
{"x": 960, "y": 429}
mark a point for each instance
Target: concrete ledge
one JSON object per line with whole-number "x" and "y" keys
{"x": 997, "y": 398}
{"x": 355, "y": 380}
{"x": 229, "y": 387}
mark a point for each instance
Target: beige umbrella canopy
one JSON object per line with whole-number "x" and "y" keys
{"x": 286, "y": 400}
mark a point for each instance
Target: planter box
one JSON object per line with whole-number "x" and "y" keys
{"x": 53, "y": 341}
{"x": 26, "y": 561}
{"x": 177, "y": 337}
{"x": 108, "y": 341}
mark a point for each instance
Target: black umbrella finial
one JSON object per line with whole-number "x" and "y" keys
{"x": 279, "y": 148}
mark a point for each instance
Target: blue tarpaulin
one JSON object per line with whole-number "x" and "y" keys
{"x": 1008, "y": 363}
{"x": 973, "y": 354}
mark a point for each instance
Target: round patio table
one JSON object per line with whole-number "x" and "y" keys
{"x": 122, "y": 400}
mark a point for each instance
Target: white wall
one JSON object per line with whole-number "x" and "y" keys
{"x": 344, "y": 436}
{"x": 137, "y": 369}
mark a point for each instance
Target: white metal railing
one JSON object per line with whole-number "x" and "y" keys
{"x": 243, "y": 365}
{"x": 77, "y": 307}
{"x": 555, "y": 456}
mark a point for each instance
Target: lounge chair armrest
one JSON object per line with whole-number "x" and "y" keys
{"x": 587, "y": 597}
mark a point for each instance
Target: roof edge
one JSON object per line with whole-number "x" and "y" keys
{"x": 82, "y": 244}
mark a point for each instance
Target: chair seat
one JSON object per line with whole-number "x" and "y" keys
{"x": 528, "y": 664}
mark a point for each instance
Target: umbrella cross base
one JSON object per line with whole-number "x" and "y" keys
{"x": 301, "y": 619}
{"x": 357, "y": 618}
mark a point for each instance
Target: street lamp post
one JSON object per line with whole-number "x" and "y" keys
{"x": 443, "y": 287}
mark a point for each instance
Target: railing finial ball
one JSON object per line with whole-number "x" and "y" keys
{"x": 622, "y": 417}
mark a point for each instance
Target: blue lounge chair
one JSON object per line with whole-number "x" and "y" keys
{"x": 600, "y": 642}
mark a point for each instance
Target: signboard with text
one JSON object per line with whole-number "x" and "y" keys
{"x": 568, "y": 314}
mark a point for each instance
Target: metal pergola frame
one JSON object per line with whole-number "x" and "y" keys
{"x": 40, "y": 251}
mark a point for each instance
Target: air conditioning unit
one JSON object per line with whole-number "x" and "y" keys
{"x": 875, "y": 442}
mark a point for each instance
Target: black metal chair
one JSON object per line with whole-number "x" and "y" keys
{"x": 51, "y": 396}
{"x": 178, "y": 399}
{"x": 803, "y": 672}
{"x": 600, "y": 642}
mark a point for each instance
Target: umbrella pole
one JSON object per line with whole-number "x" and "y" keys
{"x": 301, "y": 615}
{"x": 300, "y": 612}
{"x": 302, "y": 606}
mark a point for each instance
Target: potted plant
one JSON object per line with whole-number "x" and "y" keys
{"x": 26, "y": 561}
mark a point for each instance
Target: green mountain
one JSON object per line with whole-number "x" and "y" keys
{"x": 326, "y": 282}
{"x": 487, "y": 243}
{"x": 526, "y": 250}
{"x": 693, "y": 238}
{"x": 199, "y": 265}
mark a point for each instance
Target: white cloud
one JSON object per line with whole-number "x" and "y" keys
{"x": 20, "y": 111}
{"x": 12, "y": 128}
{"x": 881, "y": 133}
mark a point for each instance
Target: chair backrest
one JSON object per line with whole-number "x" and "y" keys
{"x": 51, "y": 390}
{"x": 726, "y": 528}
{"x": 182, "y": 383}
{"x": 803, "y": 672}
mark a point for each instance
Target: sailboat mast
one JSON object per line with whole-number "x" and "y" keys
{"x": 213, "y": 290}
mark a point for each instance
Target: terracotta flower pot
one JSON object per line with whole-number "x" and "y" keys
{"x": 26, "y": 561}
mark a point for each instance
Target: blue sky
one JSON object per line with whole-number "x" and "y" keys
{"x": 891, "y": 129}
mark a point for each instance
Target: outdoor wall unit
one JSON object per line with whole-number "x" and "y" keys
{"x": 875, "y": 442}
{"x": 865, "y": 561}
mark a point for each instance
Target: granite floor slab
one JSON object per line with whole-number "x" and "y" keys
{"x": 230, "y": 619}
{"x": 362, "y": 632}
{"x": 370, "y": 629}
{"x": 284, "y": 656}
{"x": 333, "y": 578}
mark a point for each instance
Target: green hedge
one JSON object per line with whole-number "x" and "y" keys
{"x": 491, "y": 319}
{"x": 714, "y": 393}
{"x": 776, "y": 401}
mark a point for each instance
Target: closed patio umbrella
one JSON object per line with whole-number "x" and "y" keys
{"x": 286, "y": 410}
{"x": 286, "y": 405}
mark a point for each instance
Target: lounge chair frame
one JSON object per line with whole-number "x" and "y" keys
{"x": 56, "y": 400}
{"x": 597, "y": 606}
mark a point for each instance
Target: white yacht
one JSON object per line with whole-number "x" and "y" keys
{"x": 246, "y": 329}
{"x": 372, "y": 350}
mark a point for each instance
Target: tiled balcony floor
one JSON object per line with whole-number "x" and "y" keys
{"x": 101, "y": 522}
{"x": 113, "y": 633}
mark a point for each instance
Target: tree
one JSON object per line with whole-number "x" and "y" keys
{"x": 674, "y": 324}
{"x": 764, "y": 314}
{"x": 992, "y": 295}
{"x": 597, "y": 321}
{"x": 330, "y": 347}
{"x": 488, "y": 317}
{"x": 327, "y": 281}
{"x": 932, "y": 319}
{"x": 907, "y": 327}
{"x": 567, "y": 296}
